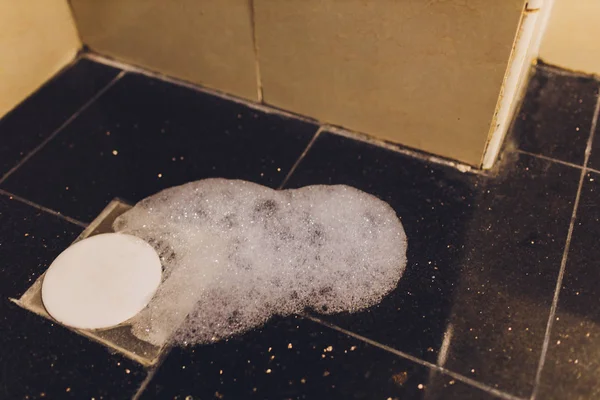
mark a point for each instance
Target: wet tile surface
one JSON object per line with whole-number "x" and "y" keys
{"x": 556, "y": 116}
{"x": 39, "y": 359}
{"x": 572, "y": 366}
{"x": 46, "y": 110}
{"x": 484, "y": 250}
{"x": 468, "y": 264}
{"x": 294, "y": 358}
{"x": 144, "y": 135}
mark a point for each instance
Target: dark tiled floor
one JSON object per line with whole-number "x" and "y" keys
{"x": 435, "y": 204}
{"x": 513, "y": 250}
{"x": 470, "y": 267}
{"x": 468, "y": 319}
{"x": 298, "y": 359}
{"x": 556, "y": 115}
{"x": 39, "y": 359}
{"x": 574, "y": 347}
{"x": 144, "y": 135}
{"x": 40, "y": 115}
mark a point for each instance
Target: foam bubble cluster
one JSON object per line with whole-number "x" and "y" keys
{"x": 236, "y": 253}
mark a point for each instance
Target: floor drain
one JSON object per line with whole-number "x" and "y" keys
{"x": 118, "y": 338}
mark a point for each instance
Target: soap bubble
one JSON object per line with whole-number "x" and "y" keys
{"x": 236, "y": 253}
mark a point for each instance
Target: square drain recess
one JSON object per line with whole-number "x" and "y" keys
{"x": 118, "y": 338}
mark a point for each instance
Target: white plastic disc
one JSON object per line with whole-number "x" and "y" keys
{"x": 101, "y": 281}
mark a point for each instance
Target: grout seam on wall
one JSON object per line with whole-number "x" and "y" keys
{"x": 61, "y": 127}
{"x": 75, "y": 25}
{"x": 269, "y": 109}
{"x": 42, "y": 208}
{"x": 455, "y": 375}
{"x": 259, "y": 87}
{"x": 563, "y": 263}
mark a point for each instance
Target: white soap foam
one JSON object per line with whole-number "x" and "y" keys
{"x": 236, "y": 253}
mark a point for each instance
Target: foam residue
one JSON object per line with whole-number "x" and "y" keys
{"x": 236, "y": 253}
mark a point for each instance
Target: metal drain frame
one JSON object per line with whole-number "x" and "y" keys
{"x": 118, "y": 338}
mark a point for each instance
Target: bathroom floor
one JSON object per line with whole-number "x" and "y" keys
{"x": 497, "y": 301}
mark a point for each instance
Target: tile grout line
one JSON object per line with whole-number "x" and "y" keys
{"x": 149, "y": 376}
{"x": 592, "y": 170}
{"x": 152, "y": 372}
{"x": 555, "y": 160}
{"x": 44, "y": 209}
{"x": 400, "y": 149}
{"x": 455, "y": 375}
{"x": 61, "y": 127}
{"x": 299, "y": 160}
{"x": 272, "y": 110}
{"x": 563, "y": 263}
{"x": 259, "y": 86}
{"x": 543, "y": 157}
{"x": 144, "y": 385}
{"x": 197, "y": 87}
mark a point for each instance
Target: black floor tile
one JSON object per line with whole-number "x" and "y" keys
{"x": 556, "y": 116}
{"x": 38, "y": 116}
{"x": 293, "y": 358}
{"x": 513, "y": 251}
{"x": 29, "y": 240}
{"x": 435, "y": 205}
{"x": 572, "y": 367}
{"x": 44, "y": 360}
{"x": 482, "y": 253}
{"x": 40, "y": 359}
{"x": 144, "y": 135}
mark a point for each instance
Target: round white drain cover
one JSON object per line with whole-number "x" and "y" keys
{"x": 101, "y": 281}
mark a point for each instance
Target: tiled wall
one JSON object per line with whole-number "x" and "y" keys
{"x": 202, "y": 41}
{"x": 37, "y": 39}
{"x": 423, "y": 73}
{"x": 426, "y": 74}
{"x": 571, "y": 39}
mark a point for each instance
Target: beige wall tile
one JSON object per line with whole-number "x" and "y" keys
{"x": 424, "y": 73}
{"x": 208, "y": 42}
{"x": 572, "y": 38}
{"x": 37, "y": 39}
